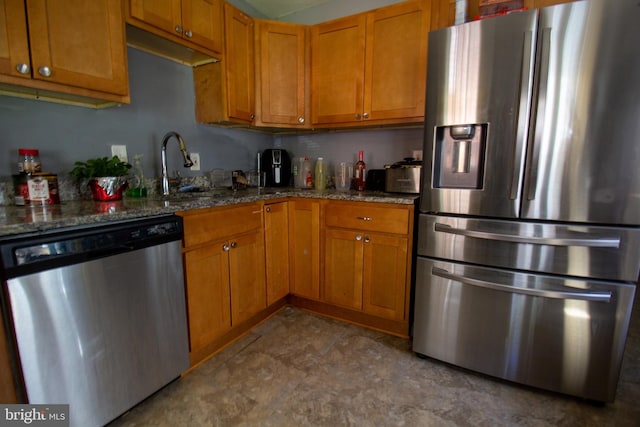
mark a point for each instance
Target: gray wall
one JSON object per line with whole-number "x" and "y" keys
{"x": 162, "y": 99}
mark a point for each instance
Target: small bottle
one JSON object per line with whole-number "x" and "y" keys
{"x": 29, "y": 161}
{"x": 360, "y": 172}
{"x": 321, "y": 174}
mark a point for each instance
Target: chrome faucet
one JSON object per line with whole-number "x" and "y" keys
{"x": 185, "y": 154}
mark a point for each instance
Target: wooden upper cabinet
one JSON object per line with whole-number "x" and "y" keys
{"x": 281, "y": 74}
{"x": 196, "y": 23}
{"x": 443, "y": 14}
{"x": 240, "y": 68}
{"x": 75, "y": 47}
{"x": 14, "y": 42}
{"x": 371, "y": 68}
{"x": 337, "y": 70}
{"x": 396, "y": 61}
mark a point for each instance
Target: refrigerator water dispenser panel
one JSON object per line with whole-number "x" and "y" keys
{"x": 458, "y": 161}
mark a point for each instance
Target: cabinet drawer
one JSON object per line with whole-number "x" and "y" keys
{"x": 219, "y": 223}
{"x": 368, "y": 217}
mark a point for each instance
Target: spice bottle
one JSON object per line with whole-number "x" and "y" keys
{"x": 29, "y": 161}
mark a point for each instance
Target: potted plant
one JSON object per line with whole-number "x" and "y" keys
{"x": 107, "y": 177}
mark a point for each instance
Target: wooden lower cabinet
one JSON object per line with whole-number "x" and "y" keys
{"x": 348, "y": 260}
{"x": 276, "y": 241}
{"x": 224, "y": 265}
{"x": 367, "y": 269}
{"x": 304, "y": 247}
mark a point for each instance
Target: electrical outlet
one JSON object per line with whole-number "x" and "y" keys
{"x": 195, "y": 158}
{"x": 120, "y": 151}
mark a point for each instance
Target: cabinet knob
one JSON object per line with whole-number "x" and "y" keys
{"x": 300, "y": 120}
{"x": 358, "y": 116}
{"x": 188, "y": 33}
{"x": 268, "y": 209}
{"x": 44, "y": 71}
{"x": 234, "y": 245}
{"x": 253, "y": 116}
{"x": 178, "y": 29}
{"x": 358, "y": 237}
{"x": 23, "y": 68}
{"x": 225, "y": 247}
{"x": 367, "y": 239}
{"x": 364, "y": 218}
{"x": 366, "y": 115}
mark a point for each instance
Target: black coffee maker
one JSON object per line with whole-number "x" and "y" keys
{"x": 277, "y": 165}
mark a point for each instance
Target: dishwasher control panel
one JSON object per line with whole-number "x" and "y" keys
{"x": 23, "y": 254}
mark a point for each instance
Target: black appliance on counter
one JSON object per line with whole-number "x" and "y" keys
{"x": 277, "y": 165}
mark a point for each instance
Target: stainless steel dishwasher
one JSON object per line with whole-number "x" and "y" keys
{"x": 99, "y": 314}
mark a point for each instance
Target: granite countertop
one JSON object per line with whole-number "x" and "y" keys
{"x": 16, "y": 220}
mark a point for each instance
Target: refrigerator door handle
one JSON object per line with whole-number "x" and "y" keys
{"x": 612, "y": 242}
{"x": 583, "y": 296}
{"x": 523, "y": 113}
{"x": 540, "y": 115}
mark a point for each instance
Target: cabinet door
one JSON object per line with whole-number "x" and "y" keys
{"x": 276, "y": 233}
{"x": 304, "y": 248}
{"x": 443, "y": 14}
{"x": 385, "y": 275}
{"x": 396, "y": 61}
{"x": 163, "y": 14}
{"x": 202, "y": 23}
{"x": 246, "y": 272}
{"x": 208, "y": 298}
{"x": 280, "y": 74}
{"x": 14, "y": 44}
{"x": 343, "y": 268}
{"x": 79, "y": 43}
{"x": 337, "y": 70}
{"x": 239, "y": 56}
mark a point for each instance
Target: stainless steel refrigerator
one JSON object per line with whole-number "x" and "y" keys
{"x": 529, "y": 227}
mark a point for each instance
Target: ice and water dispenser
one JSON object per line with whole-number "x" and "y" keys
{"x": 458, "y": 160}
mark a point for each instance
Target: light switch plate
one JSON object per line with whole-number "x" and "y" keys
{"x": 195, "y": 158}
{"x": 120, "y": 151}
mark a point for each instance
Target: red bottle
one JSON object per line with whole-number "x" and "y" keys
{"x": 360, "y": 172}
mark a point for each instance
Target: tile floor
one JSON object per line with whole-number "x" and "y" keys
{"x": 301, "y": 369}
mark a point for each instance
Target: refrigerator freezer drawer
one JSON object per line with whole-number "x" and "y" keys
{"x": 608, "y": 253}
{"x": 545, "y": 331}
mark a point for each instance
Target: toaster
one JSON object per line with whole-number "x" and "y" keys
{"x": 403, "y": 176}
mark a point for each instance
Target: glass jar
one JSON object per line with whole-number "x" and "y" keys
{"x": 29, "y": 161}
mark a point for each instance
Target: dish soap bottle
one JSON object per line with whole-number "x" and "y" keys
{"x": 139, "y": 189}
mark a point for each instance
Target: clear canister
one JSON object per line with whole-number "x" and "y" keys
{"x": 29, "y": 161}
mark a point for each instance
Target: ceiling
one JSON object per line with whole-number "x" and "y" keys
{"x": 276, "y": 9}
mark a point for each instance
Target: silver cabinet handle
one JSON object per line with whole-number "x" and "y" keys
{"x": 225, "y": 247}
{"x": 23, "y": 68}
{"x": 364, "y": 218}
{"x": 188, "y": 33}
{"x": 365, "y": 115}
{"x": 613, "y": 242}
{"x": 178, "y": 29}
{"x": 367, "y": 239}
{"x": 300, "y": 120}
{"x": 234, "y": 245}
{"x": 358, "y": 237}
{"x": 44, "y": 71}
{"x": 268, "y": 209}
{"x": 584, "y": 296}
{"x": 358, "y": 116}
